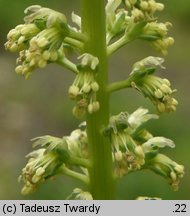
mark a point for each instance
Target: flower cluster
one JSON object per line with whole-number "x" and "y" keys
{"x": 19, "y": 37}
{"x": 135, "y": 148}
{"x": 116, "y": 21}
{"x": 122, "y": 129}
{"x": 41, "y": 166}
{"x": 167, "y": 168}
{"x": 85, "y": 87}
{"x": 79, "y": 194}
{"x": 156, "y": 33}
{"x": 158, "y": 90}
{"x": 78, "y": 143}
{"x": 137, "y": 21}
{"x": 55, "y": 157}
{"x": 141, "y": 9}
{"x": 43, "y": 49}
{"x": 41, "y": 39}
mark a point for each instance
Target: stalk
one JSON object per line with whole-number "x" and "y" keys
{"x": 101, "y": 176}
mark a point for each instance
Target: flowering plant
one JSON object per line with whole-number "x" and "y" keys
{"x": 103, "y": 148}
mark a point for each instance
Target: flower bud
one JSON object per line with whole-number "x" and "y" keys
{"x": 53, "y": 56}
{"x": 167, "y": 82}
{"x": 90, "y": 108}
{"x": 19, "y": 69}
{"x": 42, "y": 42}
{"x": 73, "y": 91}
{"x": 159, "y": 6}
{"x": 118, "y": 155}
{"x": 86, "y": 88}
{"x": 26, "y": 190}
{"x": 132, "y": 2}
{"x": 165, "y": 89}
{"x": 36, "y": 179}
{"x": 78, "y": 112}
{"x": 137, "y": 14}
{"x": 42, "y": 63}
{"x": 95, "y": 86}
{"x": 40, "y": 171}
{"x": 179, "y": 168}
{"x": 173, "y": 176}
{"x": 46, "y": 55}
{"x": 139, "y": 152}
{"x": 144, "y": 5}
{"x": 13, "y": 34}
{"x": 32, "y": 62}
{"x": 158, "y": 94}
{"x": 174, "y": 102}
{"x": 161, "y": 107}
{"x": 21, "y": 40}
{"x": 96, "y": 106}
{"x": 79, "y": 194}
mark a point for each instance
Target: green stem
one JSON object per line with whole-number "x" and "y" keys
{"x": 79, "y": 162}
{"x": 117, "y": 44}
{"x": 74, "y": 43}
{"x": 101, "y": 172}
{"x": 68, "y": 64}
{"x": 119, "y": 85}
{"x": 64, "y": 170}
{"x": 133, "y": 32}
{"x": 77, "y": 35}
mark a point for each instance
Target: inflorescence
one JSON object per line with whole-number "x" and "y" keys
{"x": 43, "y": 39}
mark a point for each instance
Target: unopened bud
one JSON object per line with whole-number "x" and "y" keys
{"x": 158, "y": 94}
{"x": 169, "y": 41}
{"x": 173, "y": 176}
{"x": 167, "y": 82}
{"x": 95, "y": 86}
{"x": 144, "y": 5}
{"x": 90, "y": 108}
{"x": 14, "y": 48}
{"x": 40, "y": 171}
{"x": 179, "y": 168}
{"x": 36, "y": 179}
{"x": 159, "y": 6}
{"x": 19, "y": 69}
{"x": 53, "y": 56}
{"x": 174, "y": 102}
{"x": 86, "y": 88}
{"x": 73, "y": 91}
{"x": 137, "y": 14}
{"x": 93, "y": 107}
{"x": 42, "y": 42}
{"x": 139, "y": 151}
{"x": 118, "y": 155}
{"x": 132, "y": 2}
{"x": 165, "y": 89}
{"x": 21, "y": 40}
{"x": 27, "y": 190}
{"x": 46, "y": 55}
{"x": 78, "y": 111}
{"x": 172, "y": 108}
{"x": 161, "y": 107}
{"x": 42, "y": 63}
{"x": 96, "y": 106}
{"x": 32, "y": 62}
{"x": 13, "y": 34}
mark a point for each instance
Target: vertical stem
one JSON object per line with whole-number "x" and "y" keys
{"x": 93, "y": 25}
